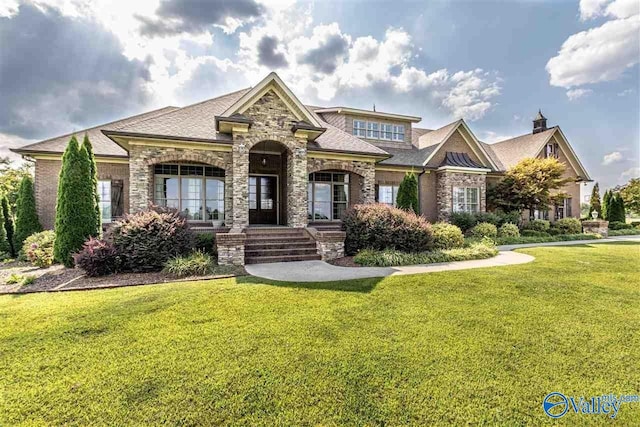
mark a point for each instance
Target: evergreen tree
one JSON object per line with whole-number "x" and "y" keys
{"x": 595, "y": 201}
{"x": 8, "y": 225}
{"x": 5, "y": 248}
{"x": 75, "y": 213}
{"x": 27, "y": 221}
{"x": 407, "y": 197}
{"x": 94, "y": 180}
{"x": 616, "y": 209}
{"x": 606, "y": 204}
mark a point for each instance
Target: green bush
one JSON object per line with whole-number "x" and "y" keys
{"x": 463, "y": 220}
{"x": 534, "y": 233}
{"x": 635, "y": 223}
{"x": 446, "y": 236}
{"x": 407, "y": 198}
{"x": 38, "y": 248}
{"x": 624, "y": 232}
{"x": 5, "y": 247}
{"x": 508, "y": 230}
{"x": 8, "y": 225}
{"x": 513, "y": 217}
{"x": 544, "y": 239}
{"x": 489, "y": 217}
{"x": 484, "y": 229}
{"x": 148, "y": 239}
{"x": 98, "y": 258}
{"x": 206, "y": 242}
{"x": 391, "y": 258}
{"x": 538, "y": 225}
{"x": 75, "y": 206}
{"x": 195, "y": 264}
{"x": 568, "y": 226}
{"x": 378, "y": 226}
{"x": 27, "y": 221}
{"x": 94, "y": 182}
{"x": 617, "y": 225}
{"x": 616, "y": 209}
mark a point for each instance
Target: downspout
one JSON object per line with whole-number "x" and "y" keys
{"x": 420, "y": 192}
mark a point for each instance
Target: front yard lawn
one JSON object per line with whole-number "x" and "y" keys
{"x": 480, "y": 346}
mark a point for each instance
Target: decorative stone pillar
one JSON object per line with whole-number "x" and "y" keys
{"x": 596, "y": 226}
{"x": 369, "y": 184}
{"x": 139, "y": 181}
{"x": 330, "y": 244}
{"x": 297, "y": 179}
{"x": 230, "y": 248}
{"x": 228, "y": 197}
{"x": 240, "y": 182}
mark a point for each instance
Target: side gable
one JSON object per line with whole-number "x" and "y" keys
{"x": 460, "y": 139}
{"x": 567, "y": 155}
{"x": 273, "y": 83}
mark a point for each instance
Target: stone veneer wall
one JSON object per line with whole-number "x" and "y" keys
{"x": 272, "y": 121}
{"x": 330, "y": 244}
{"x": 142, "y": 159}
{"x": 230, "y": 248}
{"x": 365, "y": 169}
{"x": 446, "y": 180}
{"x": 596, "y": 227}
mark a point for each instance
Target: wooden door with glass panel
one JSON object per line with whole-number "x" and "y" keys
{"x": 263, "y": 199}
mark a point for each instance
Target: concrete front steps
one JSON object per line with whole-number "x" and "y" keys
{"x": 278, "y": 244}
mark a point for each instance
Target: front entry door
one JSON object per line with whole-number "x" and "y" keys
{"x": 263, "y": 199}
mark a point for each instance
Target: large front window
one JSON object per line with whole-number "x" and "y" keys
{"x": 196, "y": 191}
{"x": 104, "y": 193}
{"x": 387, "y": 194}
{"x": 466, "y": 199}
{"x": 328, "y": 196}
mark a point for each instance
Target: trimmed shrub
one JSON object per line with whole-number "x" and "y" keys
{"x": 206, "y": 242}
{"x": 38, "y": 248}
{"x": 195, "y": 264}
{"x": 489, "y": 217}
{"x": 624, "y": 232}
{"x": 484, "y": 229}
{"x": 8, "y": 225}
{"x": 148, "y": 239}
{"x": 463, "y": 220}
{"x": 407, "y": 198}
{"x": 390, "y": 258}
{"x": 378, "y": 226}
{"x": 446, "y": 236}
{"x": 98, "y": 258}
{"x": 538, "y": 225}
{"x": 513, "y": 217}
{"x": 534, "y": 233}
{"x": 547, "y": 238}
{"x": 616, "y": 210}
{"x": 75, "y": 213}
{"x": 617, "y": 225}
{"x": 508, "y": 230}
{"x": 568, "y": 226}
{"x": 27, "y": 221}
{"x": 606, "y": 204}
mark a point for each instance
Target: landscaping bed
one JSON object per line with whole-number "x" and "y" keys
{"x": 544, "y": 239}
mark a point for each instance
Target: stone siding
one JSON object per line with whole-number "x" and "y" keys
{"x": 230, "y": 248}
{"x": 330, "y": 244}
{"x": 446, "y": 180}
{"x": 142, "y": 159}
{"x": 596, "y": 227}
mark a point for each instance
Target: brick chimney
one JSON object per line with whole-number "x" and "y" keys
{"x": 539, "y": 123}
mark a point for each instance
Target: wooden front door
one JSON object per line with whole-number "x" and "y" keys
{"x": 263, "y": 199}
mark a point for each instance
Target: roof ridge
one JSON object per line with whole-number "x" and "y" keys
{"x": 523, "y": 135}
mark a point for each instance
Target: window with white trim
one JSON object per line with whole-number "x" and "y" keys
{"x": 104, "y": 194}
{"x": 387, "y": 194}
{"x": 398, "y": 132}
{"x": 466, "y": 199}
{"x": 386, "y": 131}
{"x": 360, "y": 128}
{"x": 372, "y": 130}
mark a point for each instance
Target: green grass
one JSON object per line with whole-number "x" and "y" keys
{"x": 477, "y": 346}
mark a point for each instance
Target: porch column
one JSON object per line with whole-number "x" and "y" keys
{"x": 369, "y": 184}
{"x": 297, "y": 179}
{"x": 140, "y": 179}
{"x": 228, "y": 197}
{"x": 240, "y": 185}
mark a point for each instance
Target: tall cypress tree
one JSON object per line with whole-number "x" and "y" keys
{"x": 616, "y": 209}
{"x": 407, "y": 198}
{"x": 8, "y": 225}
{"x": 27, "y": 221}
{"x": 5, "y": 247}
{"x": 606, "y": 204}
{"x": 595, "y": 201}
{"x": 94, "y": 179}
{"x": 75, "y": 213}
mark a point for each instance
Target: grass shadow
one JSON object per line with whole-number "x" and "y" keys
{"x": 355, "y": 285}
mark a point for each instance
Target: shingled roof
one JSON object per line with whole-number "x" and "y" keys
{"x": 509, "y": 152}
{"x": 102, "y": 145}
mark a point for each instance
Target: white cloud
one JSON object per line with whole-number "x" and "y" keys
{"x": 630, "y": 173}
{"x": 491, "y": 137}
{"x": 611, "y": 158}
{"x": 597, "y": 55}
{"x": 626, "y": 92}
{"x": 590, "y": 9}
{"x": 575, "y": 94}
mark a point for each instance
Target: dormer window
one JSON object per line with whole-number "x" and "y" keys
{"x": 387, "y": 131}
{"x": 551, "y": 151}
{"x": 398, "y": 132}
{"x": 359, "y": 128}
{"x": 372, "y": 130}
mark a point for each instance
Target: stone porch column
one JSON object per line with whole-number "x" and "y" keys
{"x": 228, "y": 197}
{"x": 297, "y": 179}
{"x": 369, "y": 185}
{"x": 240, "y": 183}
{"x": 139, "y": 181}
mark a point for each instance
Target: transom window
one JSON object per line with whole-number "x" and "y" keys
{"x": 377, "y": 130}
{"x": 328, "y": 196}
{"x": 466, "y": 199}
{"x": 196, "y": 191}
{"x": 387, "y": 194}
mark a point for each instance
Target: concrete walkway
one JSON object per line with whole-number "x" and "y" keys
{"x": 320, "y": 271}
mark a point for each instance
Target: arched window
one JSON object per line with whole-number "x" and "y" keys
{"x": 197, "y": 191}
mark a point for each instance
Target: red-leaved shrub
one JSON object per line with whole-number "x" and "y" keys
{"x": 378, "y": 226}
{"x": 98, "y": 258}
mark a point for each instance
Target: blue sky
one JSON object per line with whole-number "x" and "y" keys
{"x": 68, "y": 64}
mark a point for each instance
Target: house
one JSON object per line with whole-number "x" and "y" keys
{"x": 258, "y": 156}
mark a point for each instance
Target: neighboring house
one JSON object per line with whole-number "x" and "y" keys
{"x": 259, "y": 156}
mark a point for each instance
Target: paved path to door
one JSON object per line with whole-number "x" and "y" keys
{"x": 320, "y": 271}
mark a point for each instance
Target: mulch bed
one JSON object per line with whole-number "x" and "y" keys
{"x": 346, "y": 261}
{"x": 50, "y": 279}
